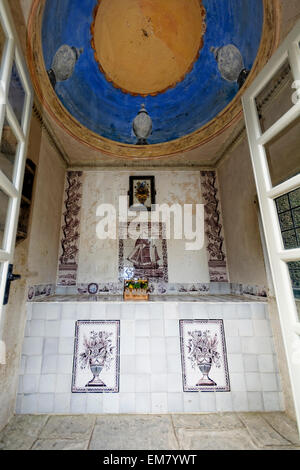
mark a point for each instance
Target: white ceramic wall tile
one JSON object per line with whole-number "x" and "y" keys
{"x": 191, "y": 402}
{"x": 245, "y": 328}
{"x": 49, "y": 364}
{"x": 66, "y": 345}
{"x": 63, "y": 383}
{"x": 251, "y": 362}
{"x": 224, "y": 402}
{"x": 269, "y": 382}
{"x": 272, "y": 401}
{"x": 127, "y": 403}
{"x": 150, "y": 359}
{"x": 142, "y": 383}
{"x": 51, "y": 346}
{"x": 53, "y": 311}
{"x": 253, "y": 382}
{"x": 127, "y": 383}
{"x": 94, "y": 404}
{"x": 156, "y": 328}
{"x": 47, "y": 383}
{"x": 207, "y": 402}
{"x": 62, "y": 403}
{"x": 142, "y": 403}
{"x": 33, "y": 346}
{"x": 159, "y": 382}
{"x": 45, "y": 402}
{"x": 142, "y": 346}
{"x": 266, "y": 363}
{"x": 30, "y": 384}
{"x": 235, "y": 363}
{"x": 255, "y": 401}
{"x": 159, "y": 403}
{"x": 33, "y": 364}
{"x": 175, "y": 402}
{"x": 240, "y": 401}
{"x": 29, "y": 404}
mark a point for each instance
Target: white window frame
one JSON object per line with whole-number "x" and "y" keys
{"x": 267, "y": 193}
{"x": 12, "y": 53}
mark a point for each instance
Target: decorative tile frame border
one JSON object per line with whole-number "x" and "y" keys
{"x": 246, "y": 289}
{"x": 160, "y": 234}
{"x": 114, "y": 324}
{"x": 68, "y": 260}
{"x": 213, "y": 288}
{"x": 210, "y": 386}
{"x": 159, "y": 288}
{"x": 213, "y": 228}
{"x": 40, "y": 291}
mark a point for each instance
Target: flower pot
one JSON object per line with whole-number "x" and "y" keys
{"x": 96, "y": 368}
{"x": 205, "y": 367}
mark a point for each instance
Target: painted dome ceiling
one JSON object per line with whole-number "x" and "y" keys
{"x": 160, "y": 53}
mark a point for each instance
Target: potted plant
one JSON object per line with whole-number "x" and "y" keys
{"x": 203, "y": 353}
{"x": 136, "y": 289}
{"x": 98, "y": 353}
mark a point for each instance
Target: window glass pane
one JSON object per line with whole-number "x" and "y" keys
{"x": 286, "y": 221}
{"x": 4, "y": 201}
{"x": 16, "y": 94}
{"x": 8, "y": 150}
{"x": 283, "y": 154}
{"x": 282, "y": 203}
{"x": 294, "y": 269}
{"x": 276, "y": 98}
{"x": 295, "y": 198}
{"x": 288, "y": 208}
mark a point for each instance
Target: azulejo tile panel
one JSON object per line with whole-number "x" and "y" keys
{"x": 145, "y": 256}
{"x": 40, "y": 291}
{"x": 203, "y": 356}
{"x": 96, "y": 364}
{"x": 68, "y": 259}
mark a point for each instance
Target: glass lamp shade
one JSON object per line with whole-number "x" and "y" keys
{"x": 142, "y": 126}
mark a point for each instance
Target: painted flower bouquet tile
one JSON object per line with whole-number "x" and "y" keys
{"x": 96, "y": 365}
{"x": 203, "y": 356}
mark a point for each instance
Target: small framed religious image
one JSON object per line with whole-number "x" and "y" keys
{"x": 141, "y": 192}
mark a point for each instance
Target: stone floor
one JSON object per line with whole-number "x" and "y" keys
{"x": 228, "y": 431}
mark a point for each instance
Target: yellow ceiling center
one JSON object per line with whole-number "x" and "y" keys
{"x": 145, "y": 47}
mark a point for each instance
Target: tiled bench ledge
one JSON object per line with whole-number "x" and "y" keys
{"x": 185, "y": 298}
{"x": 150, "y": 358}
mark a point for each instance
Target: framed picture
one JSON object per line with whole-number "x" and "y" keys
{"x": 142, "y": 191}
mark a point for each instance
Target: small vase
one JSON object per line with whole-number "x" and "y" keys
{"x": 205, "y": 368}
{"x": 96, "y": 369}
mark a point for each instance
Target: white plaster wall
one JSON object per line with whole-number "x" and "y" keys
{"x": 98, "y": 259}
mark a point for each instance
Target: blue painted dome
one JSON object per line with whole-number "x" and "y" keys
{"x": 202, "y": 94}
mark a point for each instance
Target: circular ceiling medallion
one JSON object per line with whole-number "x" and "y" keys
{"x": 145, "y": 47}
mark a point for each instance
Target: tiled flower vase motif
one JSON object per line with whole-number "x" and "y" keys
{"x": 203, "y": 356}
{"x": 96, "y": 365}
